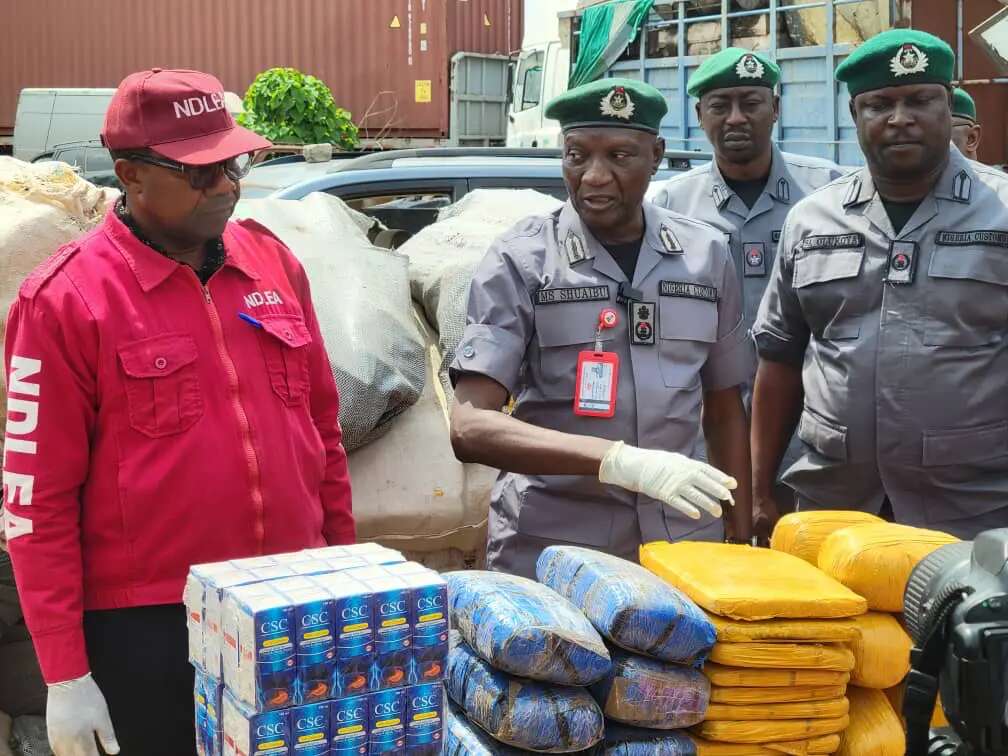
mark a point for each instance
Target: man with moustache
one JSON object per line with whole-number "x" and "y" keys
{"x": 746, "y": 190}
{"x": 610, "y": 322}
{"x": 882, "y": 334}
{"x": 170, "y": 402}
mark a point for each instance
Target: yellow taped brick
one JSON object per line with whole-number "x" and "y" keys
{"x": 801, "y": 534}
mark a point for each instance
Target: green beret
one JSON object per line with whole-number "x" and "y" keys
{"x": 733, "y": 67}
{"x": 896, "y": 58}
{"x": 626, "y": 103}
{"x": 963, "y": 105}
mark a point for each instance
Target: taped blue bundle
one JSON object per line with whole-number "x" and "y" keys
{"x": 631, "y": 741}
{"x": 526, "y": 629}
{"x": 522, "y": 713}
{"x": 629, "y": 605}
{"x": 463, "y": 738}
{"x": 650, "y": 693}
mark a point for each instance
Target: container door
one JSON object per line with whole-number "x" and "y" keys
{"x": 479, "y": 99}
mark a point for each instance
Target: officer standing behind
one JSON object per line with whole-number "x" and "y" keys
{"x": 966, "y": 132}
{"x": 170, "y": 402}
{"x": 749, "y": 187}
{"x": 611, "y": 320}
{"x": 888, "y": 309}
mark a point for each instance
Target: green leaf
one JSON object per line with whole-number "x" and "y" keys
{"x": 285, "y": 105}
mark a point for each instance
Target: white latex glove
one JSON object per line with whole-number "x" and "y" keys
{"x": 75, "y": 712}
{"x": 682, "y": 483}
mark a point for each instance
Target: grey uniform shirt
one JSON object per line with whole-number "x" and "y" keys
{"x": 534, "y": 305}
{"x": 904, "y": 382}
{"x": 702, "y": 193}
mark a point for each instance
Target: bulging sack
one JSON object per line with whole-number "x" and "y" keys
{"x": 784, "y": 656}
{"x": 836, "y": 707}
{"x": 742, "y": 582}
{"x": 772, "y": 732}
{"x": 649, "y": 693}
{"x": 881, "y": 651}
{"x": 630, "y": 606}
{"x": 874, "y": 727}
{"x": 723, "y": 695}
{"x": 737, "y": 677}
{"x": 522, "y": 713}
{"x": 463, "y": 738}
{"x": 820, "y": 631}
{"x": 633, "y": 741}
{"x": 526, "y": 629}
{"x": 875, "y": 561}
{"x": 802, "y": 534}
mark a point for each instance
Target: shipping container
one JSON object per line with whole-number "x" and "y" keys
{"x": 389, "y": 62}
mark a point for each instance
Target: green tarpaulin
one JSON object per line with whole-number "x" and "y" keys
{"x": 606, "y": 30}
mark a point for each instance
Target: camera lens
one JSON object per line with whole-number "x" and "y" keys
{"x": 937, "y": 570}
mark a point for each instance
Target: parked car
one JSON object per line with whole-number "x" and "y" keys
{"x": 89, "y": 159}
{"x": 404, "y": 189}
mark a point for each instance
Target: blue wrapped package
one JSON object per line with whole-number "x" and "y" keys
{"x": 649, "y": 693}
{"x": 631, "y": 741}
{"x": 526, "y": 629}
{"x": 463, "y": 738}
{"x": 522, "y": 713}
{"x": 632, "y": 607}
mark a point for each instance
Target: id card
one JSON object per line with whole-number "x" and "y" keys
{"x": 595, "y": 390}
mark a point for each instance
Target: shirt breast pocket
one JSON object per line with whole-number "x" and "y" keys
{"x": 285, "y": 340}
{"x": 562, "y": 331}
{"x": 161, "y": 379}
{"x": 967, "y": 298}
{"x": 825, "y": 283}
{"x": 688, "y": 327}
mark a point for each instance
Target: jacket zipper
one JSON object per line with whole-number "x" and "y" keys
{"x": 243, "y": 423}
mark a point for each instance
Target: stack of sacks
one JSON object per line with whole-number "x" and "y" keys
{"x": 657, "y": 637}
{"x": 874, "y": 559}
{"x": 519, "y": 663}
{"x": 780, "y": 667}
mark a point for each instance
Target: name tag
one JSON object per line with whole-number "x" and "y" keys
{"x": 687, "y": 290}
{"x": 573, "y": 294}
{"x": 969, "y": 238}
{"x": 832, "y": 241}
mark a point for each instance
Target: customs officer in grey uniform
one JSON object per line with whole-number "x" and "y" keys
{"x": 966, "y": 130}
{"x": 746, "y": 191}
{"x": 610, "y": 323}
{"x": 888, "y": 310}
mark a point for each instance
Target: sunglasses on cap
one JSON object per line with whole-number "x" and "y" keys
{"x": 201, "y": 177}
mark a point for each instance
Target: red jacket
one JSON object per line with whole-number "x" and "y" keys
{"x": 150, "y": 427}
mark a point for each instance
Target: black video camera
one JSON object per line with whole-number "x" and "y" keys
{"x": 956, "y": 609}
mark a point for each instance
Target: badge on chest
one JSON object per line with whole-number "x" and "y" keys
{"x": 902, "y": 262}
{"x": 755, "y": 258}
{"x": 643, "y": 323}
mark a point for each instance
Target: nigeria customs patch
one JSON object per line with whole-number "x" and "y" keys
{"x": 749, "y": 67}
{"x": 909, "y": 59}
{"x": 687, "y": 290}
{"x": 617, "y": 104}
{"x": 642, "y": 323}
{"x": 755, "y": 258}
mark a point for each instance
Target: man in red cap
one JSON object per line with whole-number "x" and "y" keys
{"x": 170, "y": 402}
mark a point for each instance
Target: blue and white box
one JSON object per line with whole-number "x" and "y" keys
{"x": 393, "y": 635}
{"x": 353, "y": 614}
{"x": 314, "y": 637}
{"x": 425, "y": 717}
{"x": 247, "y": 733}
{"x": 209, "y": 729}
{"x": 260, "y": 663}
{"x": 213, "y": 619}
{"x": 194, "y": 598}
{"x": 350, "y": 726}
{"x": 428, "y": 617}
{"x": 387, "y": 710}
{"x": 310, "y": 729}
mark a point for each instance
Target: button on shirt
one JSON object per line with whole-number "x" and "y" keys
{"x": 150, "y": 428}
{"x": 534, "y": 304}
{"x": 903, "y": 380}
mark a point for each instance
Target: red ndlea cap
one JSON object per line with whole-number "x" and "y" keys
{"x": 177, "y": 114}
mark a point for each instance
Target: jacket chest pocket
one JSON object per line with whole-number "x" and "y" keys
{"x": 284, "y": 340}
{"x": 967, "y": 298}
{"x": 827, "y": 287}
{"x": 688, "y": 328}
{"x": 562, "y": 331}
{"x": 162, "y": 385}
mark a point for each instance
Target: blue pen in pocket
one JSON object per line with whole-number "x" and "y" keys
{"x": 250, "y": 320}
